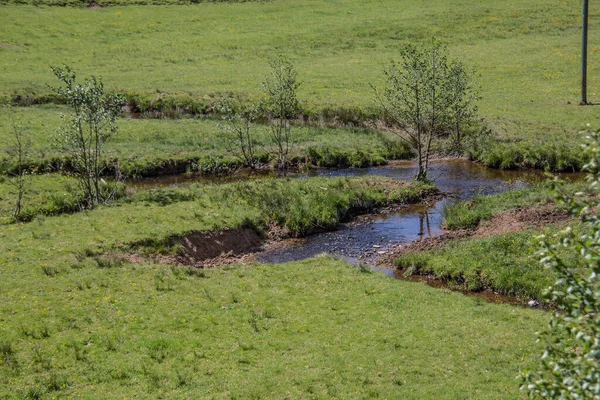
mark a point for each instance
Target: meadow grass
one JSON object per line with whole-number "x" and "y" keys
{"x": 45, "y": 194}
{"x": 148, "y": 147}
{"x": 319, "y": 328}
{"x": 527, "y": 52}
{"x": 78, "y": 320}
{"x": 297, "y": 205}
{"x": 503, "y": 263}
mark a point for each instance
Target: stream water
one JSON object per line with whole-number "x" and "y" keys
{"x": 375, "y": 234}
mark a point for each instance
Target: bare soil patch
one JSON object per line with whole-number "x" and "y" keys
{"x": 204, "y": 250}
{"x": 202, "y": 246}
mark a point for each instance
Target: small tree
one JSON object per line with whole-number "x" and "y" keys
{"x": 237, "y": 126}
{"x": 570, "y": 365}
{"x": 19, "y": 150}
{"x": 85, "y": 131}
{"x": 281, "y": 105}
{"x": 424, "y": 93}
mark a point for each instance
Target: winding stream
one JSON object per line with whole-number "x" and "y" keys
{"x": 375, "y": 234}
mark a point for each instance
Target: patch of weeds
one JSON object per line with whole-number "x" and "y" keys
{"x": 6, "y": 349}
{"x": 235, "y": 298}
{"x": 111, "y": 343}
{"x": 465, "y": 215}
{"x": 257, "y": 322}
{"x": 56, "y": 382}
{"x": 79, "y": 350}
{"x": 72, "y": 323}
{"x": 412, "y": 263}
{"x": 269, "y": 313}
{"x": 196, "y": 272}
{"x": 183, "y": 378}
{"x": 163, "y": 281}
{"x": 45, "y": 332}
{"x": 364, "y": 268}
{"x": 35, "y": 333}
{"x": 178, "y": 272}
{"x": 107, "y": 261}
{"x": 49, "y": 270}
{"x": 86, "y": 262}
{"x": 158, "y": 350}
{"x": 39, "y": 236}
{"x": 8, "y": 357}
{"x": 246, "y": 346}
{"x": 86, "y": 253}
{"x": 120, "y": 374}
{"x": 83, "y": 285}
{"x": 39, "y": 358}
{"x": 34, "y": 393}
{"x": 154, "y": 378}
{"x": 245, "y": 361}
{"x": 181, "y": 272}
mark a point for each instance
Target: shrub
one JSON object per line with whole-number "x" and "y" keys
{"x": 570, "y": 365}
{"x": 87, "y": 129}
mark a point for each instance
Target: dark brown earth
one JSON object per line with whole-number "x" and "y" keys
{"x": 205, "y": 250}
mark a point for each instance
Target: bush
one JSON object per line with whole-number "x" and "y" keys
{"x": 570, "y": 365}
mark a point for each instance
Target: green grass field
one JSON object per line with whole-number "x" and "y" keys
{"x": 313, "y": 329}
{"x": 80, "y": 319}
{"x": 527, "y": 54}
{"x": 299, "y": 205}
{"x": 503, "y": 263}
{"x": 75, "y": 324}
{"x": 469, "y": 214}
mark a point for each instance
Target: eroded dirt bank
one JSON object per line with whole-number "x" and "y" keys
{"x": 211, "y": 249}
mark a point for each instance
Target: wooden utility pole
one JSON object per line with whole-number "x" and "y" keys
{"x": 584, "y": 42}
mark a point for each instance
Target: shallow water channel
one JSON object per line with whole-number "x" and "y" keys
{"x": 374, "y": 234}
